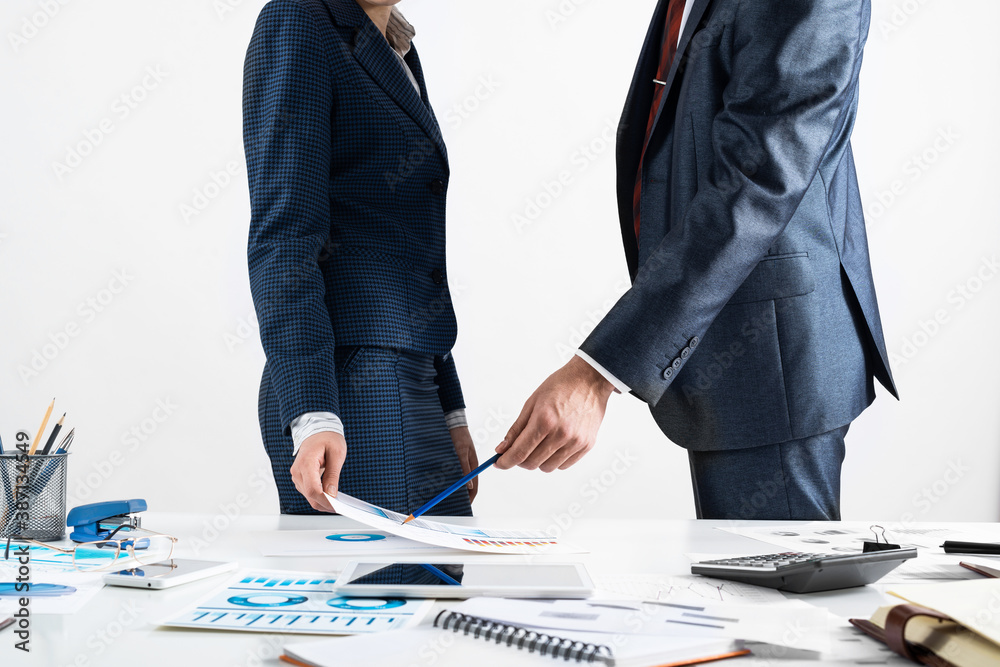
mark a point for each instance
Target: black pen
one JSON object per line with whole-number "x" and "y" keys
{"x": 986, "y": 548}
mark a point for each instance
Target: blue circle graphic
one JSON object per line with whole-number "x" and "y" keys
{"x": 364, "y": 604}
{"x": 267, "y": 600}
{"x": 355, "y": 537}
{"x": 9, "y": 590}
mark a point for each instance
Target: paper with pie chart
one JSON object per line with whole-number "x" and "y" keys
{"x": 366, "y": 542}
{"x": 297, "y": 602}
{"x": 439, "y": 533}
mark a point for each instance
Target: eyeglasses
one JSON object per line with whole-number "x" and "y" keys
{"x": 145, "y": 549}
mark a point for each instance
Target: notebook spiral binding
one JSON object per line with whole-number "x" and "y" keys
{"x": 524, "y": 638}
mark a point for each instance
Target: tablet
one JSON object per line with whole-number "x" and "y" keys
{"x": 464, "y": 579}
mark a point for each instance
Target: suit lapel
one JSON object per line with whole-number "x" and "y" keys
{"x": 632, "y": 129}
{"x": 694, "y": 18}
{"x": 375, "y": 55}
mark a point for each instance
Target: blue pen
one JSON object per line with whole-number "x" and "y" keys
{"x": 451, "y": 489}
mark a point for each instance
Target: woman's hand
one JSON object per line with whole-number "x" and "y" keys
{"x": 317, "y": 468}
{"x": 466, "y": 451}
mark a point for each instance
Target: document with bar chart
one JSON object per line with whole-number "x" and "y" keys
{"x": 299, "y": 602}
{"x": 467, "y": 538}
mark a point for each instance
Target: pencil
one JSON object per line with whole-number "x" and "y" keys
{"x": 52, "y": 436}
{"x": 41, "y": 429}
{"x": 451, "y": 489}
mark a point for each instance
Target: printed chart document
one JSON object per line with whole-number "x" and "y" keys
{"x": 467, "y": 538}
{"x": 298, "y": 602}
{"x": 685, "y": 589}
{"x": 56, "y": 587}
{"x": 664, "y": 619}
{"x": 339, "y": 543}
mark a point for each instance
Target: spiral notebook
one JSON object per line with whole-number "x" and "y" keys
{"x": 460, "y": 639}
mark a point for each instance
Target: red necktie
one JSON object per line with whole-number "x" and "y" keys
{"x": 672, "y": 31}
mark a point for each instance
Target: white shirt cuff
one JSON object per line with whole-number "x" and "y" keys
{"x": 312, "y": 423}
{"x": 456, "y": 418}
{"x": 619, "y": 386}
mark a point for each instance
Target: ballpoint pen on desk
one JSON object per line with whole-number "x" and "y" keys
{"x": 451, "y": 489}
{"x": 980, "y": 548}
{"x": 67, "y": 441}
{"x": 41, "y": 429}
{"x": 52, "y": 436}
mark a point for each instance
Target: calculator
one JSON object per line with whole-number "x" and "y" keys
{"x": 798, "y": 572}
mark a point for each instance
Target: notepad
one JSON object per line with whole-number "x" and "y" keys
{"x": 458, "y": 647}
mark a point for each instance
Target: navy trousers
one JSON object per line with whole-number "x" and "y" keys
{"x": 797, "y": 480}
{"x": 399, "y": 450}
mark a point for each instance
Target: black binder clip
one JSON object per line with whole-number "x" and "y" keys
{"x": 884, "y": 545}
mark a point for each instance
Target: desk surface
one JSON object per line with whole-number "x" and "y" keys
{"x": 120, "y": 624}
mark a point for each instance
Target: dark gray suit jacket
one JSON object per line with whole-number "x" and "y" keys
{"x": 752, "y": 318}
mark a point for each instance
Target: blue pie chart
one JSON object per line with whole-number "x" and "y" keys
{"x": 262, "y": 600}
{"x": 355, "y": 537}
{"x": 9, "y": 590}
{"x": 365, "y": 604}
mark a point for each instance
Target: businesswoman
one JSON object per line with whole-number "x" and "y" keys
{"x": 348, "y": 174}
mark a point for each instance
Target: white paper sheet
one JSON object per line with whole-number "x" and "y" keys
{"x": 691, "y": 588}
{"x": 50, "y": 592}
{"x": 792, "y": 624}
{"x": 467, "y": 538}
{"x": 297, "y": 602}
{"x": 338, "y": 543}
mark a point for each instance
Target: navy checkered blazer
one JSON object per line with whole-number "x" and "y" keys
{"x": 348, "y": 174}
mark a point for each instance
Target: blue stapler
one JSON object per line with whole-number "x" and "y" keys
{"x": 99, "y": 521}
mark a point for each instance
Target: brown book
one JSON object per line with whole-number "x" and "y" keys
{"x": 929, "y": 637}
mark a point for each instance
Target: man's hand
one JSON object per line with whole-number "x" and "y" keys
{"x": 466, "y": 451}
{"x": 317, "y": 468}
{"x": 559, "y": 422}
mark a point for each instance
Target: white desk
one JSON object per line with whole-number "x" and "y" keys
{"x": 119, "y": 626}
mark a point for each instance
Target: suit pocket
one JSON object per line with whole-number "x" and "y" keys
{"x": 777, "y": 277}
{"x": 347, "y": 357}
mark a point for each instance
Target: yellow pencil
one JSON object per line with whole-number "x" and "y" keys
{"x": 41, "y": 429}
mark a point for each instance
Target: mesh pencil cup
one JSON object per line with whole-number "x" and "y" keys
{"x": 34, "y": 496}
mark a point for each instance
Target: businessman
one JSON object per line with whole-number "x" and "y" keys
{"x": 751, "y": 328}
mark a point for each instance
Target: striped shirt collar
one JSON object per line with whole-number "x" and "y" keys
{"x": 399, "y": 32}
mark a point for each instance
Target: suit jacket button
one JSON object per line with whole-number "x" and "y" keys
{"x": 437, "y": 275}
{"x": 676, "y": 364}
{"x": 685, "y": 353}
{"x": 668, "y": 372}
{"x": 693, "y": 343}
{"x": 437, "y": 186}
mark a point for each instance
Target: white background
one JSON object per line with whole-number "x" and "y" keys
{"x": 138, "y": 248}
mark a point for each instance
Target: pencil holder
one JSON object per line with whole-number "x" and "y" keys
{"x": 34, "y": 496}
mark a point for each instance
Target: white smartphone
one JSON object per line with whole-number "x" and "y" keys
{"x": 168, "y": 573}
{"x": 465, "y": 579}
